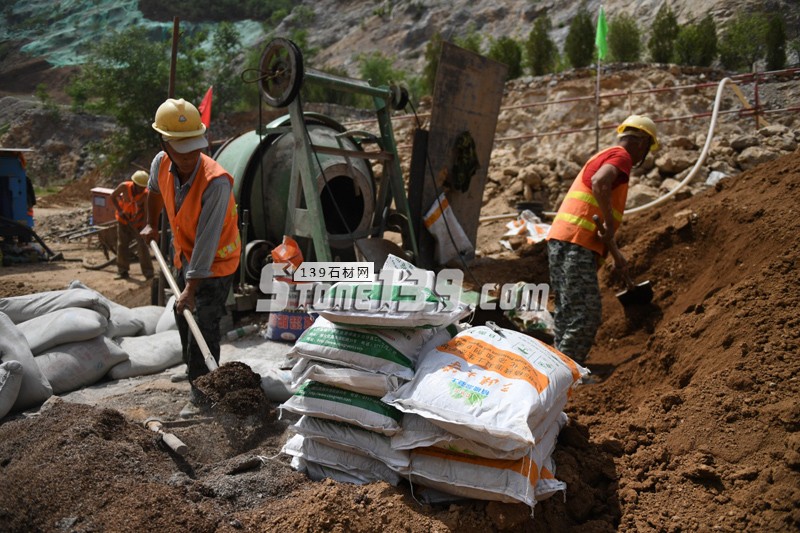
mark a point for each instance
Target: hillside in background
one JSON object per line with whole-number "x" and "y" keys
{"x": 59, "y": 34}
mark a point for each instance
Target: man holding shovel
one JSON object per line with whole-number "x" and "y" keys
{"x": 129, "y": 199}
{"x": 197, "y": 194}
{"x": 583, "y": 231}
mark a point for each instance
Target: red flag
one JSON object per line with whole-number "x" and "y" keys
{"x": 205, "y": 108}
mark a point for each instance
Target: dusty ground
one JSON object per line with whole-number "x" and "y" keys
{"x": 694, "y": 426}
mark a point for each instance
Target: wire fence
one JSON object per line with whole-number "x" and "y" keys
{"x": 756, "y": 109}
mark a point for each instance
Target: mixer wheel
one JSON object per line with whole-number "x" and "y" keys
{"x": 281, "y": 70}
{"x": 399, "y": 97}
{"x": 256, "y": 255}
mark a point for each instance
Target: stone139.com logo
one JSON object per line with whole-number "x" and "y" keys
{"x": 317, "y": 286}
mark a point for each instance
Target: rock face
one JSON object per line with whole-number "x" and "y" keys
{"x": 343, "y": 30}
{"x": 401, "y": 29}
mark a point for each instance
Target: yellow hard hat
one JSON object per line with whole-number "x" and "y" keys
{"x": 140, "y": 178}
{"x": 178, "y": 118}
{"x": 641, "y": 123}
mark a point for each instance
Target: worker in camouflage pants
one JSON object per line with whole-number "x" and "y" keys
{"x": 573, "y": 279}
{"x": 582, "y": 234}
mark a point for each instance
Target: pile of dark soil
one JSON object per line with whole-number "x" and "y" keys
{"x": 234, "y": 388}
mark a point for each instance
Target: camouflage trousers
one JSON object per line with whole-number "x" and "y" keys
{"x": 573, "y": 279}
{"x": 209, "y": 309}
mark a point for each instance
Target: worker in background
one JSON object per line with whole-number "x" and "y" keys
{"x": 130, "y": 199}
{"x": 197, "y": 194}
{"x": 577, "y": 245}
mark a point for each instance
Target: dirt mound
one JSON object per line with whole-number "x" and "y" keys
{"x": 233, "y": 388}
{"x": 699, "y": 403}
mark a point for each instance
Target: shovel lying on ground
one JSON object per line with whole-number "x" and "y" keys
{"x": 635, "y": 293}
{"x": 198, "y": 336}
{"x": 175, "y": 444}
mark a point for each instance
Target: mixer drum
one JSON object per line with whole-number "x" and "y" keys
{"x": 262, "y": 170}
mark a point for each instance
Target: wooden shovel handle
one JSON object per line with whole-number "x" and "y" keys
{"x": 211, "y": 363}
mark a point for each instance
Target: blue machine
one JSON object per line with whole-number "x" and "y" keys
{"x": 14, "y": 192}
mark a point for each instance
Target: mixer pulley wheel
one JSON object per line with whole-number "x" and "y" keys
{"x": 281, "y": 70}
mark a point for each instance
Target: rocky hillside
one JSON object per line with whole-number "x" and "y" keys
{"x": 524, "y": 167}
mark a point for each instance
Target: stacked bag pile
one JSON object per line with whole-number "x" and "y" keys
{"x": 60, "y": 341}
{"x": 349, "y": 358}
{"x": 467, "y": 411}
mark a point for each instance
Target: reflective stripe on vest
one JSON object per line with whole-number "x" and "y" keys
{"x": 184, "y": 222}
{"x": 132, "y": 205}
{"x": 573, "y": 222}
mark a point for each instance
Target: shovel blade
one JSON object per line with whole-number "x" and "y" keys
{"x": 640, "y": 294}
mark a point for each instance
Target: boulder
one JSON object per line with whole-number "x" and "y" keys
{"x": 744, "y": 141}
{"x": 640, "y": 195}
{"x": 674, "y": 161}
{"x": 754, "y": 156}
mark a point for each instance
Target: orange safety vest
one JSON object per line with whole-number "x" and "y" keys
{"x": 133, "y": 206}
{"x": 573, "y": 222}
{"x": 184, "y": 222}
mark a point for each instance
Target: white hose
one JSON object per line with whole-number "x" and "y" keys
{"x": 687, "y": 179}
{"x": 699, "y": 162}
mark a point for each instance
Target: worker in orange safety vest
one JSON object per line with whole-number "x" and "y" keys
{"x": 197, "y": 195}
{"x": 129, "y": 199}
{"x": 577, "y": 244}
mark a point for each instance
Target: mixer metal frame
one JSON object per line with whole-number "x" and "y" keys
{"x": 282, "y": 76}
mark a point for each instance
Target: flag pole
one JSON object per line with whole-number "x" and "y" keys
{"x": 600, "y": 43}
{"x": 597, "y": 110}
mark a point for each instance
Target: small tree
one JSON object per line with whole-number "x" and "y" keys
{"x": 697, "y": 43}
{"x": 624, "y": 39}
{"x": 744, "y": 42}
{"x": 471, "y": 40}
{"x": 579, "y": 46}
{"x": 126, "y": 77}
{"x": 432, "y": 52}
{"x": 540, "y": 48}
{"x": 663, "y": 33}
{"x": 507, "y": 51}
{"x": 226, "y": 47}
{"x": 776, "y": 43}
{"x": 378, "y": 69}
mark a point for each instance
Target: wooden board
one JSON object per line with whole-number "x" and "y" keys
{"x": 467, "y": 97}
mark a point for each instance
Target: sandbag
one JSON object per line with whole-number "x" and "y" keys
{"x": 62, "y": 326}
{"x": 379, "y": 305}
{"x": 318, "y": 472}
{"x": 77, "y": 364}
{"x": 148, "y": 354}
{"x": 361, "y": 381}
{"x": 34, "y": 388}
{"x": 481, "y": 478}
{"x": 167, "y": 320}
{"x": 324, "y": 401}
{"x": 548, "y": 485}
{"x": 488, "y": 383}
{"x": 22, "y": 308}
{"x": 10, "y": 383}
{"x": 121, "y": 322}
{"x": 363, "y": 468}
{"x": 418, "y": 432}
{"x": 149, "y": 315}
{"x": 353, "y": 439}
{"x": 388, "y": 351}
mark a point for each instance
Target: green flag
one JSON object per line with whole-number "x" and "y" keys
{"x": 600, "y": 38}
